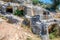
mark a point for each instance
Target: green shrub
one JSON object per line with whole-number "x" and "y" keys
{"x": 54, "y": 34}
{"x": 35, "y": 2}
{"x": 19, "y": 13}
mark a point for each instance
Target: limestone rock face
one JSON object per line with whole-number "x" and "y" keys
{"x": 13, "y": 32}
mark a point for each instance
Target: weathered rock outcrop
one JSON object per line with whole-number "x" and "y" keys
{"x": 12, "y": 32}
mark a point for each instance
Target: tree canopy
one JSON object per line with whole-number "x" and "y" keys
{"x": 55, "y": 3}
{"x": 35, "y": 2}
{"x": 53, "y": 6}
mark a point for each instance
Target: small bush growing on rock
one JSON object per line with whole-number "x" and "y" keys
{"x": 19, "y": 13}
{"x": 55, "y": 33}
{"x": 35, "y": 2}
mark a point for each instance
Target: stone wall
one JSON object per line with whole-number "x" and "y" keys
{"x": 28, "y": 11}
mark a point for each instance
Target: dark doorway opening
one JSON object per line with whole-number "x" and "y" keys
{"x": 9, "y": 9}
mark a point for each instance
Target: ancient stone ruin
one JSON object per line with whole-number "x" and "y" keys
{"x": 40, "y": 18}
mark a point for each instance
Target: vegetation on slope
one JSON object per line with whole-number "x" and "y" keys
{"x": 55, "y": 33}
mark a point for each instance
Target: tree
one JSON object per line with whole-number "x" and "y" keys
{"x": 35, "y": 2}
{"x": 55, "y": 3}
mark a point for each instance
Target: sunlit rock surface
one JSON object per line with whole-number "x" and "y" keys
{"x": 11, "y": 32}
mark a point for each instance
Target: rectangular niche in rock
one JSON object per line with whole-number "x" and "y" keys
{"x": 9, "y": 9}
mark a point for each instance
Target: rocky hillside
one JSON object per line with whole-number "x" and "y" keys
{"x": 11, "y": 32}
